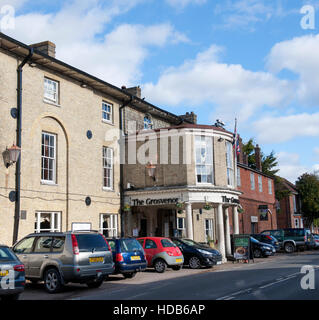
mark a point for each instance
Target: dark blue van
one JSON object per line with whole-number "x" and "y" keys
{"x": 128, "y": 256}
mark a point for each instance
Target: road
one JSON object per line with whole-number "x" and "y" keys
{"x": 276, "y": 278}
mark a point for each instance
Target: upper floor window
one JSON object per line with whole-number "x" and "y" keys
{"x": 48, "y": 157}
{"x": 51, "y": 90}
{"x": 148, "y": 123}
{"x": 107, "y": 112}
{"x": 260, "y": 184}
{"x": 252, "y": 181}
{"x": 229, "y": 163}
{"x": 107, "y": 168}
{"x": 294, "y": 203}
{"x": 269, "y": 186}
{"x": 238, "y": 177}
{"x": 204, "y": 159}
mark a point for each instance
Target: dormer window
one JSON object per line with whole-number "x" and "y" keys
{"x": 148, "y": 123}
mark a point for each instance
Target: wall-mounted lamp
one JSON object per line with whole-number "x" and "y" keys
{"x": 32, "y": 64}
{"x": 11, "y": 155}
{"x": 151, "y": 168}
{"x": 83, "y": 85}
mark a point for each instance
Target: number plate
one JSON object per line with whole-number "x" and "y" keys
{"x": 4, "y": 273}
{"x": 179, "y": 260}
{"x": 134, "y": 258}
{"x": 96, "y": 259}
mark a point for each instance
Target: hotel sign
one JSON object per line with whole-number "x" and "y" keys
{"x": 154, "y": 202}
{"x": 230, "y": 200}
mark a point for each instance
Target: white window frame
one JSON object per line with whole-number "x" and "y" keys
{"x": 297, "y": 225}
{"x": 49, "y": 94}
{"x": 230, "y": 164}
{"x": 269, "y": 186}
{"x": 210, "y": 229}
{"x": 106, "y": 113}
{"x": 203, "y": 163}
{"x": 294, "y": 200}
{"x": 252, "y": 181}
{"x": 260, "y": 183}
{"x": 43, "y": 157}
{"x": 113, "y": 228}
{"x": 238, "y": 177}
{"x": 108, "y": 166}
{"x": 148, "y": 123}
{"x": 181, "y": 231}
{"x": 55, "y": 217}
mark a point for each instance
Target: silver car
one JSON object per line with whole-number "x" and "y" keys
{"x": 12, "y": 280}
{"x": 59, "y": 258}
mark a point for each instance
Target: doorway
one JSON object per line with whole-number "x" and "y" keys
{"x": 143, "y": 231}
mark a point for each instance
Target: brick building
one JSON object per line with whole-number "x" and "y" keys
{"x": 257, "y": 199}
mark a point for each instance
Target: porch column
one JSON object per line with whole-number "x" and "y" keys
{"x": 236, "y": 220}
{"x": 227, "y": 232}
{"x": 189, "y": 220}
{"x": 220, "y": 227}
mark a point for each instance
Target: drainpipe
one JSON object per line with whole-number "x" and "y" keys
{"x": 18, "y": 137}
{"x": 125, "y": 104}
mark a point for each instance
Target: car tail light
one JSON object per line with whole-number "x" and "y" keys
{"x": 179, "y": 252}
{"x": 75, "y": 244}
{"x": 119, "y": 257}
{"x": 170, "y": 253}
{"x": 305, "y": 237}
{"x": 19, "y": 268}
{"x": 269, "y": 237}
{"x": 106, "y": 242}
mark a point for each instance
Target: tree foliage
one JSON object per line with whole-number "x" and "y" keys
{"x": 308, "y": 188}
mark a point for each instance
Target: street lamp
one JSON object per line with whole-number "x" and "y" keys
{"x": 11, "y": 155}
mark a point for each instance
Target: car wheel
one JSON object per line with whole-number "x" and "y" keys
{"x": 52, "y": 281}
{"x": 160, "y": 266}
{"x": 194, "y": 263}
{"x": 95, "y": 283}
{"x": 129, "y": 275}
{"x": 176, "y": 268}
{"x": 10, "y": 297}
{"x": 289, "y": 247}
{"x": 257, "y": 253}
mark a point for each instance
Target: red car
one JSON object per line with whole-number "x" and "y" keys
{"x": 161, "y": 253}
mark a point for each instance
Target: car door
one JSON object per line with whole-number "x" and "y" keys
{"x": 150, "y": 250}
{"x": 23, "y": 249}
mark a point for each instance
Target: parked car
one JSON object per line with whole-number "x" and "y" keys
{"x": 161, "y": 253}
{"x": 128, "y": 256}
{"x": 260, "y": 249}
{"x": 59, "y": 258}
{"x": 196, "y": 254}
{"x": 265, "y": 238}
{"x": 11, "y": 269}
{"x": 314, "y": 243}
{"x": 291, "y": 239}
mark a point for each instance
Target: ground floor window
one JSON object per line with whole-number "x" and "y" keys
{"x": 297, "y": 223}
{"x": 209, "y": 229}
{"x": 181, "y": 227}
{"x": 47, "y": 222}
{"x": 108, "y": 225}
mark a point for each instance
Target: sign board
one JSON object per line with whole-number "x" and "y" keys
{"x": 241, "y": 247}
{"x": 81, "y": 226}
{"x": 254, "y": 219}
{"x": 135, "y": 232}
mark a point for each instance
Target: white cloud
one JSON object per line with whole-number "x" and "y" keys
{"x": 299, "y": 55}
{"x": 285, "y": 128}
{"x": 78, "y": 29}
{"x": 14, "y": 3}
{"x": 316, "y": 153}
{"x": 233, "y": 89}
{"x": 183, "y": 3}
{"x": 290, "y": 166}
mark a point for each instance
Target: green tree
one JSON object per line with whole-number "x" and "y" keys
{"x": 308, "y": 188}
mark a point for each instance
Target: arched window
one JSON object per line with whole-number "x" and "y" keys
{"x": 148, "y": 124}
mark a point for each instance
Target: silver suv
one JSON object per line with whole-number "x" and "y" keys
{"x": 59, "y": 258}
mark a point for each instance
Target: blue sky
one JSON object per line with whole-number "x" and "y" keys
{"x": 248, "y": 59}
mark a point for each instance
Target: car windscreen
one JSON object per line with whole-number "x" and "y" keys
{"x": 129, "y": 245}
{"x": 166, "y": 243}
{"x": 88, "y": 242}
{"x": 6, "y": 255}
{"x": 253, "y": 240}
{"x": 190, "y": 243}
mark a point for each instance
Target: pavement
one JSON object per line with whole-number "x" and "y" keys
{"x": 275, "y": 277}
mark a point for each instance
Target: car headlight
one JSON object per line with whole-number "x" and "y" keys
{"x": 266, "y": 248}
{"x": 205, "y": 252}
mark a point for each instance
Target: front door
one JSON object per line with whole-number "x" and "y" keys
{"x": 143, "y": 231}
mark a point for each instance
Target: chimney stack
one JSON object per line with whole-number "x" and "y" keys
{"x": 190, "y": 117}
{"x": 135, "y": 91}
{"x": 46, "y": 47}
{"x": 258, "y": 158}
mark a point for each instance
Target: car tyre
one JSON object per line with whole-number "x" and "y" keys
{"x": 194, "y": 263}
{"x": 289, "y": 247}
{"x": 52, "y": 281}
{"x": 176, "y": 268}
{"x": 160, "y": 265}
{"x": 257, "y": 253}
{"x": 129, "y": 275}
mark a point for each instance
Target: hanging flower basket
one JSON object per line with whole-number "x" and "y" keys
{"x": 179, "y": 205}
{"x": 180, "y": 211}
{"x": 126, "y": 207}
{"x": 240, "y": 210}
{"x": 208, "y": 206}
